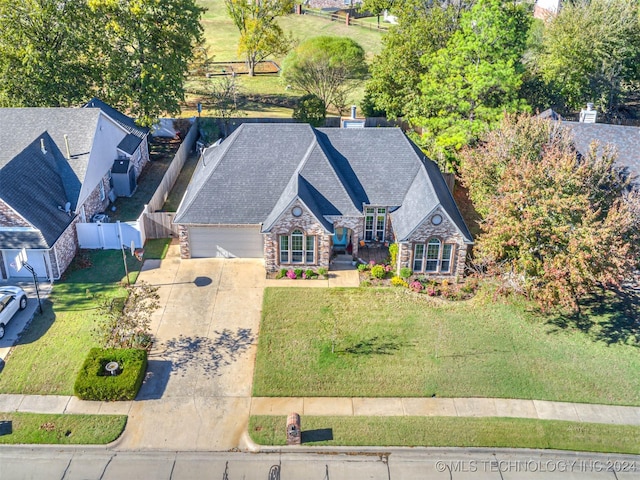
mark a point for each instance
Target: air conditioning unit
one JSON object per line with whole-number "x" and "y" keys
{"x": 100, "y": 217}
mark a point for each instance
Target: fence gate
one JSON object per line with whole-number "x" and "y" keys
{"x": 108, "y": 235}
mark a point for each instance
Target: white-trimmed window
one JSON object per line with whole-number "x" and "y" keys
{"x": 297, "y": 248}
{"x": 432, "y": 257}
{"x": 101, "y": 191}
{"x": 375, "y": 222}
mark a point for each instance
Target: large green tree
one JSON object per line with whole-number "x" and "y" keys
{"x": 131, "y": 53}
{"x": 590, "y": 52}
{"x": 326, "y": 67}
{"x": 556, "y": 225}
{"x": 260, "y": 34}
{"x": 44, "y": 59}
{"x": 476, "y": 77}
{"x": 424, "y": 26}
{"x": 146, "y": 48}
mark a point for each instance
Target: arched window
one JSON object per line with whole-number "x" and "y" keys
{"x": 297, "y": 248}
{"x": 434, "y": 256}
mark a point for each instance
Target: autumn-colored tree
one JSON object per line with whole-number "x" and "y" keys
{"x": 556, "y": 224}
{"x": 260, "y": 34}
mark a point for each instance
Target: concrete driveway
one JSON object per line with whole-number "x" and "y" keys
{"x": 197, "y": 393}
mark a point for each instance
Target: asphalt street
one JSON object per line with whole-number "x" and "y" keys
{"x": 87, "y": 463}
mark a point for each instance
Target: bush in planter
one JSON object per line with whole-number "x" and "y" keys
{"x": 399, "y": 282}
{"x": 363, "y": 267}
{"x": 378, "y": 271}
{"x": 291, "y": 274}
{"x": 298, "y": 272}
{"x": 94, "y": 383}
{"x": 405, "y": 272}
{"x": 308, "y": 273}
{"x": 282, "y": 273}
{"x": 322, "y": 271}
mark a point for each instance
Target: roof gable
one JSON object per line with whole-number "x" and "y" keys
{"x": 32, "y": 184}
{"x": 256, "y": 174}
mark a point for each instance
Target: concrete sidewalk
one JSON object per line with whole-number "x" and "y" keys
{"x": 447, "y": 407}
{"x": 338, "y": 406}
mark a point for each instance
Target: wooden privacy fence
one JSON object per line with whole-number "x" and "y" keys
{"x": 170, "y": 176}
{"x": 160, "y": 224}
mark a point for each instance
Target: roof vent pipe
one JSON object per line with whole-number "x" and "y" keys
{"x": 66, "y": 143}
{"x": 42, "y": 149}
{"x": 353, "y": 111}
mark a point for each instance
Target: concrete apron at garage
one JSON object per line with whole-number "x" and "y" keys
{"x": 21, "y": 319}
{"x": 197, "y": 394}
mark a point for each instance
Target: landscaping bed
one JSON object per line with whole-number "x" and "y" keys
{"x": 451, "y": 432}
{"x": 391, "y": 342}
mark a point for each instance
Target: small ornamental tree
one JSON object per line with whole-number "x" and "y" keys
{"x": 556, "y": 225}
{"x": 310, "y": 109}
{"x": 326, "y": 67}
{"x": 125, "y": 323}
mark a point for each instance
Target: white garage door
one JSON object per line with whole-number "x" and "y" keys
{"x": 226, "y": 242}
{"x": 35, "y": 258}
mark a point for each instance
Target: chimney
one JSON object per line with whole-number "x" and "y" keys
{"x": 66, "y": 142}
{"x": 589, "y": 115}
{"x": 42, "y": 149}
{"x": 353, "y": 112}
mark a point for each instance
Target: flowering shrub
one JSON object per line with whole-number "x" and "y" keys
{"x": 432, "y": 291}
{"x": 416, "y": 286}
{"x": 372, "y": 263}
{"x": 399, "y": 282}
{"x": 291, "y": 274}
{"x": 388, "y": 268}
{"x": 378, "y": 271}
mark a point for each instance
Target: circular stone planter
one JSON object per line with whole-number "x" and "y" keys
{"x": 112, "y": 368}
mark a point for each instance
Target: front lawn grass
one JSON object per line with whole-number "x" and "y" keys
{"x": 392, "y": 343}
{"x": 451, "y": 432}
{"x": 62, "y": 429}
{"x": 51, "y": 350}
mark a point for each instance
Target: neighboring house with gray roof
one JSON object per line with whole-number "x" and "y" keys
{"x": 294, "y": 195}
{"x": 625, "y": 140}
{"x": 55, "y": 170}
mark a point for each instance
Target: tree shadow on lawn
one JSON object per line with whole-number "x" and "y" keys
{"x": 611, "y": 317}
{"x": 209, "y": 354}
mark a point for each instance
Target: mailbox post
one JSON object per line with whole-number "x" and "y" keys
{"x": 294, "y": 434}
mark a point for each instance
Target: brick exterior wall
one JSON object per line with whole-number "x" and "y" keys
{"x": 10, "y": 218}
{"x": 141, "y": 156}
{"x": 65, "y": 249}
{"x": 183, "y": 237}
{"x": 93, "y": 204}
{"x": 287, "y": 223}
{"x": 446, "y": 232}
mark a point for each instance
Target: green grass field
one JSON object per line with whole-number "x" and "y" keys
{"x": 392, "y": 343}
{"x": 222, "y": 37}
{"x": 451, "y": 432}
{"x": 36, "y": 428}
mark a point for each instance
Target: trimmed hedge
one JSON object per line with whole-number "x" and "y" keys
{"x": 94, "y": 383}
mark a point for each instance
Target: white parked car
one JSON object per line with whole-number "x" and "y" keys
{"x": 12, "y": 299}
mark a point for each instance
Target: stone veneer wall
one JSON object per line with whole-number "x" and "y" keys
{"x": 10, "y": 218}
{"x": 93, "y": 204}
{"x": 285, "y": 225}
{"x": 356, "y": 224}
{"x": 183, "y": 237}
{"x": 446, "y": 232}
{"x": 141, "y": 156}
{"x": 65, "y": 249}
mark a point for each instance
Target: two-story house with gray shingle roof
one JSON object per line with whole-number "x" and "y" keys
{"x": 55, "y": 166}
{"x": 292, "y": 194}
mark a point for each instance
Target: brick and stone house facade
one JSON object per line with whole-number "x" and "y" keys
{"x": 295, "y": 195}
{"x": 55, "y": 171}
